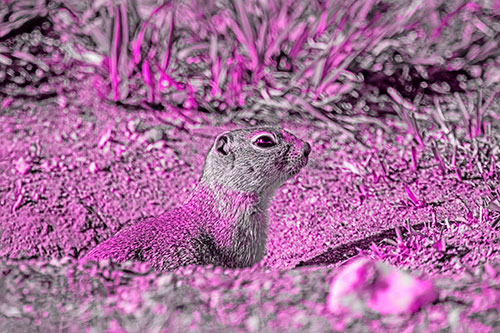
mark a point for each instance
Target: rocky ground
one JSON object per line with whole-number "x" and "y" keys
{"x": 75, "y": 172}
{"x": 103, "y": 127}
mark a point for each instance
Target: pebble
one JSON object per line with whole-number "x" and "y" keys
{"x": 22, "y": 166}
{"x": 93, "y": 168}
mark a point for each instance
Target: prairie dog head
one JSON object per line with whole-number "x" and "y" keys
{"x": 256, "y": 160}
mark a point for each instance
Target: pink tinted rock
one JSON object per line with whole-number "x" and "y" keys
{"x": 366, "y": 285}
{"x": 22, "y": 166}
{"x": 93, "y": 167}
{"x": 104, "y": 138}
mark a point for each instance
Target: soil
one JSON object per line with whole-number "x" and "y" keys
{"x": 74, "y": 170}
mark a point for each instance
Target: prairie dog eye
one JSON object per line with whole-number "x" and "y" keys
{"x": 264, "y": 141}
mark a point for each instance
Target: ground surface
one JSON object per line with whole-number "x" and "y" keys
{"x": 393, "y": 96}
{"x": 74, "y": 172}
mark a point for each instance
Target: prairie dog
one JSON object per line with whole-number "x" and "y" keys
{"x": 224, "y": 221}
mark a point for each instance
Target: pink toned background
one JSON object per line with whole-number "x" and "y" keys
{"x": 107, "y": 111}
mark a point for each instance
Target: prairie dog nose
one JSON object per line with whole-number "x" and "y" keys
{"x": 307, "y": 149}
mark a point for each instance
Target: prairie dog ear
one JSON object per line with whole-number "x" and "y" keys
{"x": 222, "y": 144}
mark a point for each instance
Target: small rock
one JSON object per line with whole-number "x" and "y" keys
{"x": 93, "y": 167}
{"x": 253, "y": 323}
{"x": 22, "y": 166}
{"x": 157, "y": 145}
{"x": 372, "y": 285}
{"x": 104, "y": 138}
{"x": 62, "y": 101}
{"x": 153, "y": 135}
{"x": 133, "y": 124}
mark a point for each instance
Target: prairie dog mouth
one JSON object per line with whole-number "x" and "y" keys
{"x": 296, "y": 163}
{"x": 299, "y": 156}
